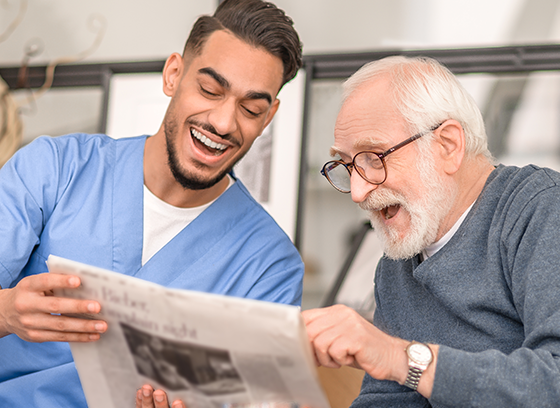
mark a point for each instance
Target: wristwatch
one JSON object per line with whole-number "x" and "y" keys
{"x": 419, "y": 358}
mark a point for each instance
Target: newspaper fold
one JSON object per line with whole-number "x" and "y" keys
{"x": 207, "y": 350}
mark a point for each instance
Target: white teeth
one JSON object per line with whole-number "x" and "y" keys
{"x": 207, "y": 142}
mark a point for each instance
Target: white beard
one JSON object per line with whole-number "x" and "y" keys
{"x": 426, "y": 214}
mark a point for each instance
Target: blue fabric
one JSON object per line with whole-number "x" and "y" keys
{"x": 490, "y": 297}
{"x": 80, "y": 197}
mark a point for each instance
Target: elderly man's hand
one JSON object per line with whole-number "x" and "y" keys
{"x": 146, "y": 397}
{"x": 340, "y": 336}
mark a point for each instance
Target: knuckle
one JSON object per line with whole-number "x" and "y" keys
{"x": 321, "y": 348}
{"x": 34, "y": 280}
{"x": 59, "y": 336}
{"x": 28, "y": 281}
{"x": 55, "y": 306}
{"x": 42, "y": 278}
{"x": 26, "y": 322}
{"x": 33, "y": 336}
{"x": 20, "y": 305}
{"x": 59, "y": 325}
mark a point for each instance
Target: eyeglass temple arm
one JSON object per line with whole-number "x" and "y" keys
{"x": 410, "y": 140}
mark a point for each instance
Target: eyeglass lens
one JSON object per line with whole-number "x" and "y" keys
{"x": 367, "y": 164}
{"x": 338, "y": 175}
{"x": 370, "y": 167}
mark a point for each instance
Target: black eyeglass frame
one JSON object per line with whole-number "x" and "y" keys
{"x": 381, "y": 157}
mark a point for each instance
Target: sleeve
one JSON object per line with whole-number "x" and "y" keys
{"x": 531, "y": 373}
{"x": 382, "y": 394}
{"x": 25, "y": 202}
{"x": 376, "y": 393}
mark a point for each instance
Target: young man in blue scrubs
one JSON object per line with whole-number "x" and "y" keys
{"x": 164, "y": 208}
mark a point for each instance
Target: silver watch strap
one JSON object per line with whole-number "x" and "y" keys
{"x": 413, "y": 377}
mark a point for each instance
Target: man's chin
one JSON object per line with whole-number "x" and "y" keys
{"x": 397, "y": 246}
{"x": 191, "y": 183}
{"x": 398, "y": 254}
{"x": 400, "y": 251}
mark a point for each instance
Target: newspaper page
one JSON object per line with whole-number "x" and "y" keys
{"x": 207, "y": 350}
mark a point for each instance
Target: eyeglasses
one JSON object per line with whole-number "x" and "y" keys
{"x": 369, "y": 165}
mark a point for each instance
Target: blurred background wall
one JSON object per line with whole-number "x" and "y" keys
{"x": 523, "y": 129}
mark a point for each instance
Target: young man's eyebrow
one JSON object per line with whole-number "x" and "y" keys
{"x": 217, "y": 77}
{"x": 225, "y": 84}
{"x": 259, "y": 95}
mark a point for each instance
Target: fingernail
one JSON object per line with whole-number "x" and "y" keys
{"x": 92, "y": 307}
{"x": 73, "y": 281}
{"x": 99, "y": 327}
{"x": 158, "y": 397}
{"x": 145, "y": 392}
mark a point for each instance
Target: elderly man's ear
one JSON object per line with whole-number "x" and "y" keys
{"x": 450, "y": 146}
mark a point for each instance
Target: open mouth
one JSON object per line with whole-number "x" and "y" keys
{"x": 390, "y": 211}
{"x": 210, "y": 146}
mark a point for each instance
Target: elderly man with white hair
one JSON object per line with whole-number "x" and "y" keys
{"x": 468, "y": 289}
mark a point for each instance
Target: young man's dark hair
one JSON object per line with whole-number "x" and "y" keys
{"x": 256, "y": 22}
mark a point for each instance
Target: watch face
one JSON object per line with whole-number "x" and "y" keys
{"x": 419, "y": 353}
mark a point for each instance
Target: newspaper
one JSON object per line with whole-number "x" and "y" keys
{"x": 207, "y": 350}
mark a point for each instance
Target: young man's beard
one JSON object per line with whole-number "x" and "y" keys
{"x": 187, "y": 180}
{"x": 426, "y": 214}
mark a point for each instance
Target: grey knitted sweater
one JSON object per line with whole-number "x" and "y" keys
{"x": 490, "y": 297}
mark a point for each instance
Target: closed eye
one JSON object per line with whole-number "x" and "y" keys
{"x": 250, "y": 112}
{"x": 207, "y": 92}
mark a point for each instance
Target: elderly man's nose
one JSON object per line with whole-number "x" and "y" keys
{"x": 360, "y": 188}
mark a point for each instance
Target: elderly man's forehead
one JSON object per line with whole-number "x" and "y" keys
{"x": 376, "y": 135}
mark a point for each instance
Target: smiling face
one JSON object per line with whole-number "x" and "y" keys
{"x": 425, "y": 213}
{"x": 222, "y": 99}
{"x": 408, "y": 209}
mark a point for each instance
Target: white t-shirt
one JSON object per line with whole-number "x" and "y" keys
{"x": 436, "y": 246}
{"x": 162, "y": 221}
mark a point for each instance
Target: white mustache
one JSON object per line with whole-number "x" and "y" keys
{"x": 380, "y": 199}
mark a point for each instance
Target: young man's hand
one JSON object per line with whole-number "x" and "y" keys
{"x": 32, "y": 312}
{"x": 146, "y": 397}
